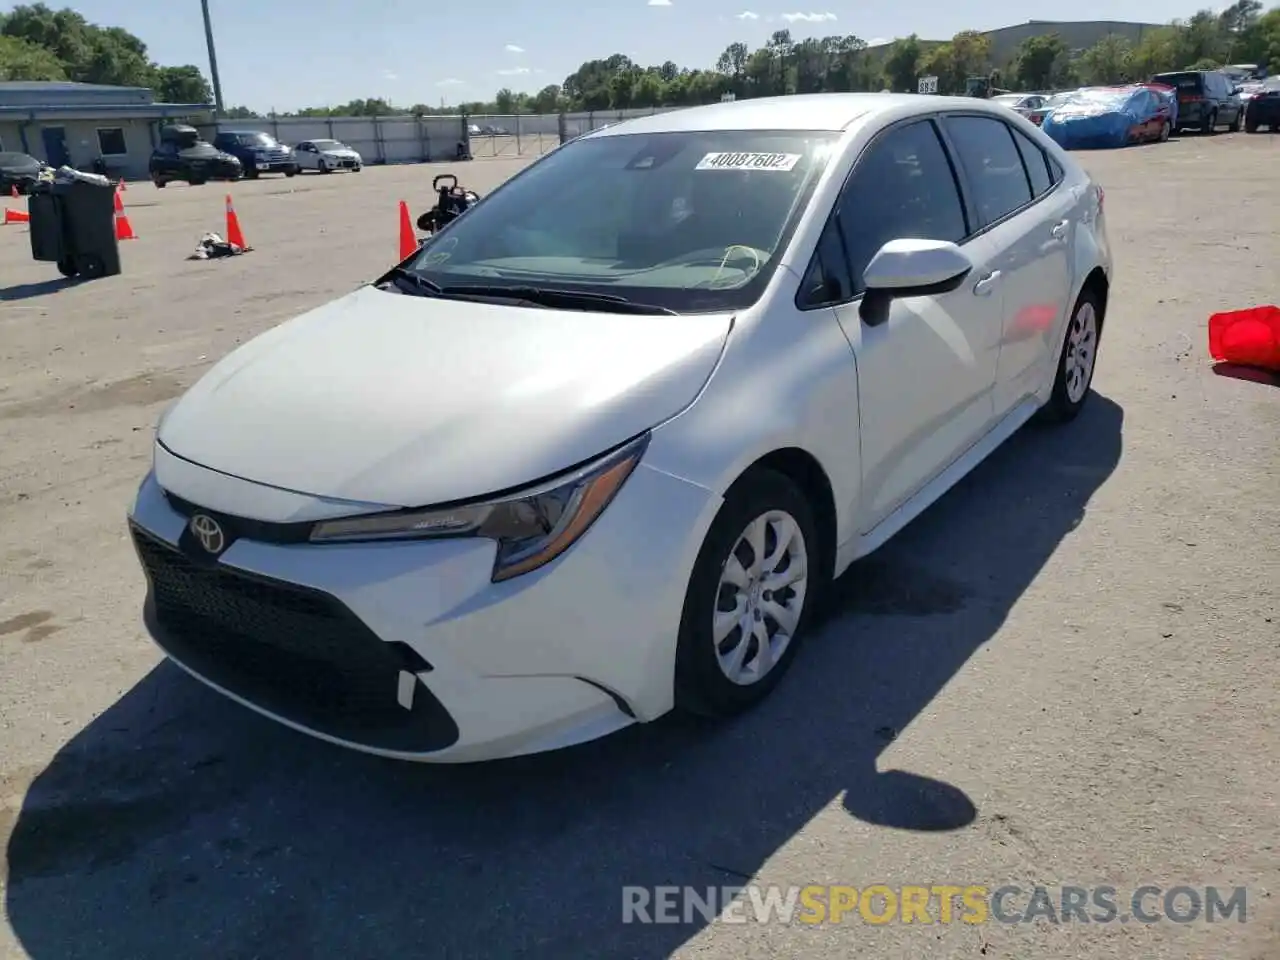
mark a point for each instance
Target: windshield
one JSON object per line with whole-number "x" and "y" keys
{"x": 257, "y": 140}
{"x": 329, "y": 145}
{"x": 689, "y": 221}
{"x": 1011, "y": 99}
{"x": 16, "y": 160}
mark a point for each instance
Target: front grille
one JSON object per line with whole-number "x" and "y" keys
{"x": 293, "y": 651}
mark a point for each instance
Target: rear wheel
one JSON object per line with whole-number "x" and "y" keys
{"x": 67, "y": 267}
{"x": 750, "y": 598}
{"x": 1166, "y": 131}
{"x": 251, "y": 173}
{"x": 1076, "y": 361}
{"x": 290, "y": 171}
{"x": 1238, "y": 122}
{"x": 158, "y": 180}
{"x": 1250, "y": 126}
{"x": 1210, "y": 123}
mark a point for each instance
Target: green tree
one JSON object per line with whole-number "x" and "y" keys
{"x": 21, "y": 60}
{"x": 1110, "y": 60}
{"x": 902, "y": 64}
{"x": 185, "y": 84}
{"x": 1038, "y": 60}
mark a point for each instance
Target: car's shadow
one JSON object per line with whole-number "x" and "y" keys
{"x": 181, "y": 825}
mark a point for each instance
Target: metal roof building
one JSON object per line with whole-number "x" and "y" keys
{"x": 80, "y": 123}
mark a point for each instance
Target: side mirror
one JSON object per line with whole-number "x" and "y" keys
{"x": 910, "y": 268}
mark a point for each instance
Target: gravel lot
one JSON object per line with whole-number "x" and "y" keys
{"x": 1064, "y": 673}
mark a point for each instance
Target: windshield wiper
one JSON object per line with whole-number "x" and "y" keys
{"x": 419, "y": 283}
{"x": 550, "y": 297}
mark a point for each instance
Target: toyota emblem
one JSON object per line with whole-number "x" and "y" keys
{"x": 208, "y": 532}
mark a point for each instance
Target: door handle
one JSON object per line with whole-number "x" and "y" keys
{"x": 984, "y": 286}
{"x": 1059, "y": 231}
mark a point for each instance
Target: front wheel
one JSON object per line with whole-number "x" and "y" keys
{"x": 67, "y": 267}
{"x": 754, "y": 586}
{"x": 324, "y": 167}
{"x": 290, "y": 171}
{"x": 357, "y": 168}
{"x": 1210, "y": 124}
{"x": 1166, "y": 131}
{"x": 1238, "y": 122}
{"x": 1076, "y": 361}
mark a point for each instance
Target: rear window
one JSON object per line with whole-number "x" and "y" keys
{"x": 1183, "y": 81}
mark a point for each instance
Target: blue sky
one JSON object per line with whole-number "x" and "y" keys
{"x": 293, "y": 53}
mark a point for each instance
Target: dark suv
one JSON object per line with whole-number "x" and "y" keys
{"x": 257, "y": 152}
{"x": 183, "y": 155}
{"x": 1206, "y": 99}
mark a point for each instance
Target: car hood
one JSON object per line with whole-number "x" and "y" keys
{"x": 390, "y": 399}
{"x": 341, "y": 152}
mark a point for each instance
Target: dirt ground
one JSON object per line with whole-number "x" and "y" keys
{"x": 1064, "y": 673}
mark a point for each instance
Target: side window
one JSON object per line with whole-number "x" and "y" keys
{"x": 1037, "y": 164}
{"x": 902, "y": 187}
{"x": 991, "y": 164}
{"x": 1056, "y": 173}
{"x": 827, "y": 280}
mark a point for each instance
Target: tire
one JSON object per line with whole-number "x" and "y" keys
{"x": 195, "y": 182}
{"x": 1238, "y": 122}
{"x": 251, "y": 173}
{"x": 1210, "y": 124}
{"x": 67, "y": 267}
{"x": 90, "y": 266}
{"x": 427, "y": 222}
{"x": 324, "y": 167}
{"x": 290, "y": 171}
{"x": 1071, "y": 383}
{"x": 702, "y": 684}
{"x": 1166, "y": 132}
{"x": 160, "y": 184}
{"x": 1251, "y": 126}
{"x": 357, "y": 168}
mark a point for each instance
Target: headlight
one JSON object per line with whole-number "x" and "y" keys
{"x": 531, "y": 528}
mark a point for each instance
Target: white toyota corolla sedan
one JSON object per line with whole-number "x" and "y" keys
{"x": 596, "y": 449}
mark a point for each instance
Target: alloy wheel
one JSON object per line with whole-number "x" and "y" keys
{"x": 1082, "y": 347}
{"x": 761, "y": 596}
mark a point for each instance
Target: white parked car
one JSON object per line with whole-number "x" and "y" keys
{"x": 1030, "y": 105}
{"x": 554, "y": 475}
{"x": 326, "y": 156}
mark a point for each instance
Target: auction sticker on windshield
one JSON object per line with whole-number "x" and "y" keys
{"x": 781, "y": 162}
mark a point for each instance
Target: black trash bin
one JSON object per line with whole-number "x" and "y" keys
{"x": 73, "y": 224}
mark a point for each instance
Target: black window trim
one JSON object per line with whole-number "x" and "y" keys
{"x": 1057, "y": 176}
{"x": 801, "y": 300}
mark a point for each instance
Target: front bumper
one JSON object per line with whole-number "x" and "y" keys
{"x": 407, "y": 649}
{"x": 343, "y": 163}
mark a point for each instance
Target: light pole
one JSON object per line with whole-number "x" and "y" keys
{"x": 213, "y": 59}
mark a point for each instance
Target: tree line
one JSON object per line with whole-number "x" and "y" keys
{"x": 38, "y": 43}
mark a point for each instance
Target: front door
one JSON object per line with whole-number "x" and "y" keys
{"x": 926, "y": 374}
{"x": 55, "y": 146}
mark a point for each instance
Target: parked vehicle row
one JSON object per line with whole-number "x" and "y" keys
{"x": 1115, "y": 116}
{"x": 183, "y": 154}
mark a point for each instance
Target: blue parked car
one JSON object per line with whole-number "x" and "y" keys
{"x": 1108, "y": 117}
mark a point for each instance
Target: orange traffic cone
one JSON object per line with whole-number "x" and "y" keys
{"x": 124, "y": 229}
{"x": 120, "y": 186}
{"x": 13, "y": 191}
{"x": 408, "y": 239}
{"x": 16, "y": 216}
{"x": 234, "y": 233}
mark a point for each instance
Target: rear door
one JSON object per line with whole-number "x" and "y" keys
{"x": 1016, "y": 208}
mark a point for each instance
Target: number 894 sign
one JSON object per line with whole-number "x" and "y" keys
{"x": 927, "y": 85}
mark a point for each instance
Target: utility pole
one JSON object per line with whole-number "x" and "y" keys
{"x": 213, "y": 59}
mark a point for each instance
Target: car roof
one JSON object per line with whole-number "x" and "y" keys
{"x": 810, "y": 111}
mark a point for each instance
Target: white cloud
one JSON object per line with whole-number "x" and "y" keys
{"x": 512, "y": 48}
{"x": 388, "y": 75}
{"x": 808, "y": 17}
{"x": 449, "y": 82}
{"x": 659, "y": 3}
{"x": 877, "y": 41}
{"x": 513, "y": 72}
{"x": 748, "y": 15}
